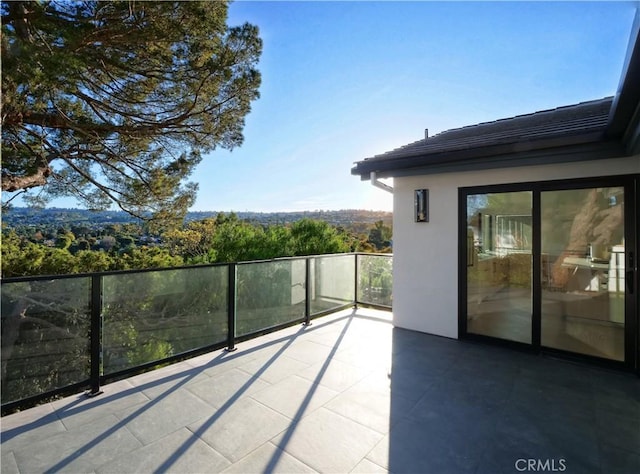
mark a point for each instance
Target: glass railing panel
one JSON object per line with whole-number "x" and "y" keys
{"x": 269, "y": 294}
{"x": 45, "y": 336}
{"x": 375, "y": 279}
{"x": 153, "y": 315}
{"x": 332, "y": 282}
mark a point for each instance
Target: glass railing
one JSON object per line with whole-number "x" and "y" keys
{"x": 66, "y": 333}
{"x": 332, "y": 282}
{"x": 154, "y": 315}
{"x": 269, "y": 294}
{"x": 375, "y": 280}
{"x": 45, "y": 327}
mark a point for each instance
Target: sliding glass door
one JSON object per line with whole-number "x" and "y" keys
{"x": 499, "y": 265}
{"x": 551, "y": 265}
{"x": 583, "y": 256}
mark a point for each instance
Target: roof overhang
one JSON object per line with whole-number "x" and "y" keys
{"x": 562, "y": 149}
{"x": 624, "y": 119}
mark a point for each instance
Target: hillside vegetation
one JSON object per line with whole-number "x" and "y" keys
{"x": 63, "y": 241}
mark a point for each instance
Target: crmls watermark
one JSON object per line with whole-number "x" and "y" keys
{"x": 541, "y": 465}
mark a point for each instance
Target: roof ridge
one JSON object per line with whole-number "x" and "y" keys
{"x": 539, "y": 112}
{"x": 582, "y": 117}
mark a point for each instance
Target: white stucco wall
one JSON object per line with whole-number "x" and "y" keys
{"x": 425, "y": 255}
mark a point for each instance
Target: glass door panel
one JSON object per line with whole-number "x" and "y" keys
{"x": 499, "y": 265}
{"x": 582, "y": 271}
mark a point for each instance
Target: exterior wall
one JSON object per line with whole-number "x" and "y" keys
{"x": 425, "y": 255}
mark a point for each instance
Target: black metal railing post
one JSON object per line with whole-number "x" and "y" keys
{"x": 95, "y": 344}
{"x": 355, "y": 288}
{"x": 232, "y": 296}
{"x": 307, "y": 291}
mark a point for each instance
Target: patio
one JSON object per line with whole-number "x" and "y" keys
{"x": 347, "y": 394}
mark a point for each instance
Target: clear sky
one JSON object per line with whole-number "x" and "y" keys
{"x": 342, "y": 81}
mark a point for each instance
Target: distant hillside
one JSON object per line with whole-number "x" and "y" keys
{"x": 23, "y": 216}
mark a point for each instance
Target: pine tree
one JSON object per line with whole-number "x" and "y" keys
{"x": 117, "y": 101}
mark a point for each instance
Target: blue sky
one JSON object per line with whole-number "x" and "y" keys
{"x": 342, "y": 81}
{"x": 347, "y": 80}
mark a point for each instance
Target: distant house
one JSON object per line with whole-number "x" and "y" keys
{"x": 524, "y": 231}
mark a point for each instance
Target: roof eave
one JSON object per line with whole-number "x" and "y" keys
{"x": 540, "y": 151}
{"x": 624, "y": 118}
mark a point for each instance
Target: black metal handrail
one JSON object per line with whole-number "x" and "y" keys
{"x": 96, "y": 376}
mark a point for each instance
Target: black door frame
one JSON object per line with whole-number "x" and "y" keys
{"x": 631, "y": 184}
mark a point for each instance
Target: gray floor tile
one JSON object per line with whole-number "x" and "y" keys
{"x": 80, "y": 410}
{"x": 229, "y": 360}
{"x": 268, "y": 458}
{"x": 543, "y": 399}
{"x": 616, "y": 394}
{"x": 619, "y": 431}
{"x": 274, "y": 371}
{"x": 334, "y": 374}
{"x": 370, "y": 408}
{"x": 239, "y": 429}
{"x": 227, "y": 387}
{"x": 155, "y": 419}
{"x": 179, "y": 452}
{"x": 378, "y": 381}
{"x": 170, "y": 379}
{"x": 394, "y": 399}
{"x": 574, "y": 439}
{"x": 418, "y": 360}
{"x": 408, "y": 448}
{"x": 79, "y": 450}
{"x": 367, "y": 467}
{"x": 307, "y": 351}
{"x": 30, "y": 417}
{"x": 295, "y": 396}
{"x": 328, "y": 442}
{"x": 8, "y": 463}
{"x": 366, "y": 356}
{"x": 558, "y": 373}
{"x": 24, "y": 428}
{"x": 619, "y": 461}
{"x": 411, "y": 383}
{"x": 325, "y": 338}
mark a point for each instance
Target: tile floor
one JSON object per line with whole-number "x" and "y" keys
{"x": 348, "y": 394}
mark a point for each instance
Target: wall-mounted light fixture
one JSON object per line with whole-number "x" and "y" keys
{"x": 421, "y": 205}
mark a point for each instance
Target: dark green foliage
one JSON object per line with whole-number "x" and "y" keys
{"x": 311, "y": 237}
{"x": 122, "y": 247}
{"x": 21, "y": 257}
{"x": 380, "y": 236}
{"x": 115, "y": 101}
{"x": 229, "y": 239}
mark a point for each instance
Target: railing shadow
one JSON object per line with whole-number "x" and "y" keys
{"x": 171, "y": 460}
{"x": 121, "y": 424}
{"x": 273, "y": 461}
{"x": 75, "y": 407}
{"x": 182, "y": 378}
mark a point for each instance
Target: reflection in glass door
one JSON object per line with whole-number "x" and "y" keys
{"x": 582, "y": 266}
{"x": 499, "y": 265}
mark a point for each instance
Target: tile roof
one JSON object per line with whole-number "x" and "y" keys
{"x": 536, "y": 130}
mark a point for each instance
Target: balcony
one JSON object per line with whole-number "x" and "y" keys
{"x": 347, "y": 393}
